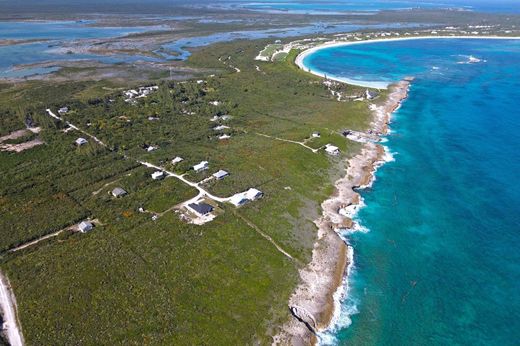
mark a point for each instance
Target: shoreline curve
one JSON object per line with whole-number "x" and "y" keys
{"x": 299, "y": 61}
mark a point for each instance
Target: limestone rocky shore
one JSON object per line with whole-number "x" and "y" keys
{"x": 314, "y": 303}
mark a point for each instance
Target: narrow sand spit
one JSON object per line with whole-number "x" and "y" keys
{"x": 325, "y": 273}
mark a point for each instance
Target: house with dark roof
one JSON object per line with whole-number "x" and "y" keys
{"x": 201, "y": 208}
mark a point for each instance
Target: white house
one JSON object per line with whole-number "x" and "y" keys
{"x": 203, "y": 165}
{"x": 224, "y": 137}
{"x": 220, "y": 127}
{"x": 221, "y": 174}
{"x": 151, "y": 148}
{"x": 254, "y": 194}
{"x": 157, "y": 175}
{"x": 85, "y": 226}
{"x": 242, "y": 198}
{"x": 80, "y": 141}
{"x": 118, "y": 192}
{"x": 177, "y": 160}
{"x": 63, "y": 110}
{"x": 239, "y": 199}
{"x": 331, "y": 150}
{"x": 316, "y": 135}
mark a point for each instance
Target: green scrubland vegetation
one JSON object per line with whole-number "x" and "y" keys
{"x": 133, "y": 280}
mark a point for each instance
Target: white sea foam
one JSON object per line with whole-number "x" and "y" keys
{"x": 470, "y": 59}
{"x": 345, "y": 305}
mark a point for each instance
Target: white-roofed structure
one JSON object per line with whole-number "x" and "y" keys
{"x": 242, "y": 198}
{"x": 331, "y": 150}
{"x": 85, "y": 226}
{"x": 177, "y": 160}
{"x": 221, "y": 174}
{"x": 157, "y": 175}
{"x": 253, "y": 194}
{"x": 239, "y": 199}
{"x": 81, "y": 141}
{"x": 203, "y": 165}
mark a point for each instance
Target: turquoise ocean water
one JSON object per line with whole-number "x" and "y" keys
{"x": 440, "y": 261}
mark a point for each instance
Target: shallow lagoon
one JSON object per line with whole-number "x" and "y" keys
{"x": 52, "y": 34}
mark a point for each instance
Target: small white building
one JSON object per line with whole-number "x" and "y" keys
{"x": 85, "y": 226}
{"x": 157, "y": 175}
{"x": 221, "y": 174}
{"x": 63, "y": 110}
{"x": 316, "y": 135}
{"x": 239, "y": 199}
{"x": 220, "y": 127}
{"x": 242, "y": 198}
{"x": 118, "y": 192}
{"x": 81, "y": 141}
{"x": 224, "y": 137}
{"x": 177, "y": 160}
{"x": 254, "y": 194}
{"x": 202, "y": 166}
{"x": 331, "y": 150}
{"x": 151, "y": 148}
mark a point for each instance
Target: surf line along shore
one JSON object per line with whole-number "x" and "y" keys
{"x": 8, "y": 310}
{"x": 315, "y": 303}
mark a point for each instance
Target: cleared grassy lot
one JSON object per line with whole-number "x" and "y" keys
{"x": 137, "y": 281}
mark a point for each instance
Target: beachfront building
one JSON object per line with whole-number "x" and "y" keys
{"x": 177, "y": 160}
{"x": 202, "y": 166}
{"x": 331, "y": 150}
{"x": 118, "y": 192}
{"x": 157, "y": 175}
{"x": 85, "y": 226}
{"x": 200, "y": 208}
{"x": 81, "y": 141}
{"x": 221, "y": 174}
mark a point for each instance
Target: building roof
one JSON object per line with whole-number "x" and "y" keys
{"x": 220, "y": 127}
{"x": 221, "y": 174}
{"x": 201, "y": 165}
{"x": 253, "y": 194}
{"x": 118, "y": 192}
{"x": 238, "y": 199}
{"x": 81, "y": 141}
{"x": 177, "y": 159}
{"x": 85, "y": 226}
{"x": 329, "y": 148}
{"x": 157, "y": 174}
{"x": 201, "y": 208}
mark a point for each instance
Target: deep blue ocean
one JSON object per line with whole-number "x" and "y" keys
{"x": 439, "y": 263}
